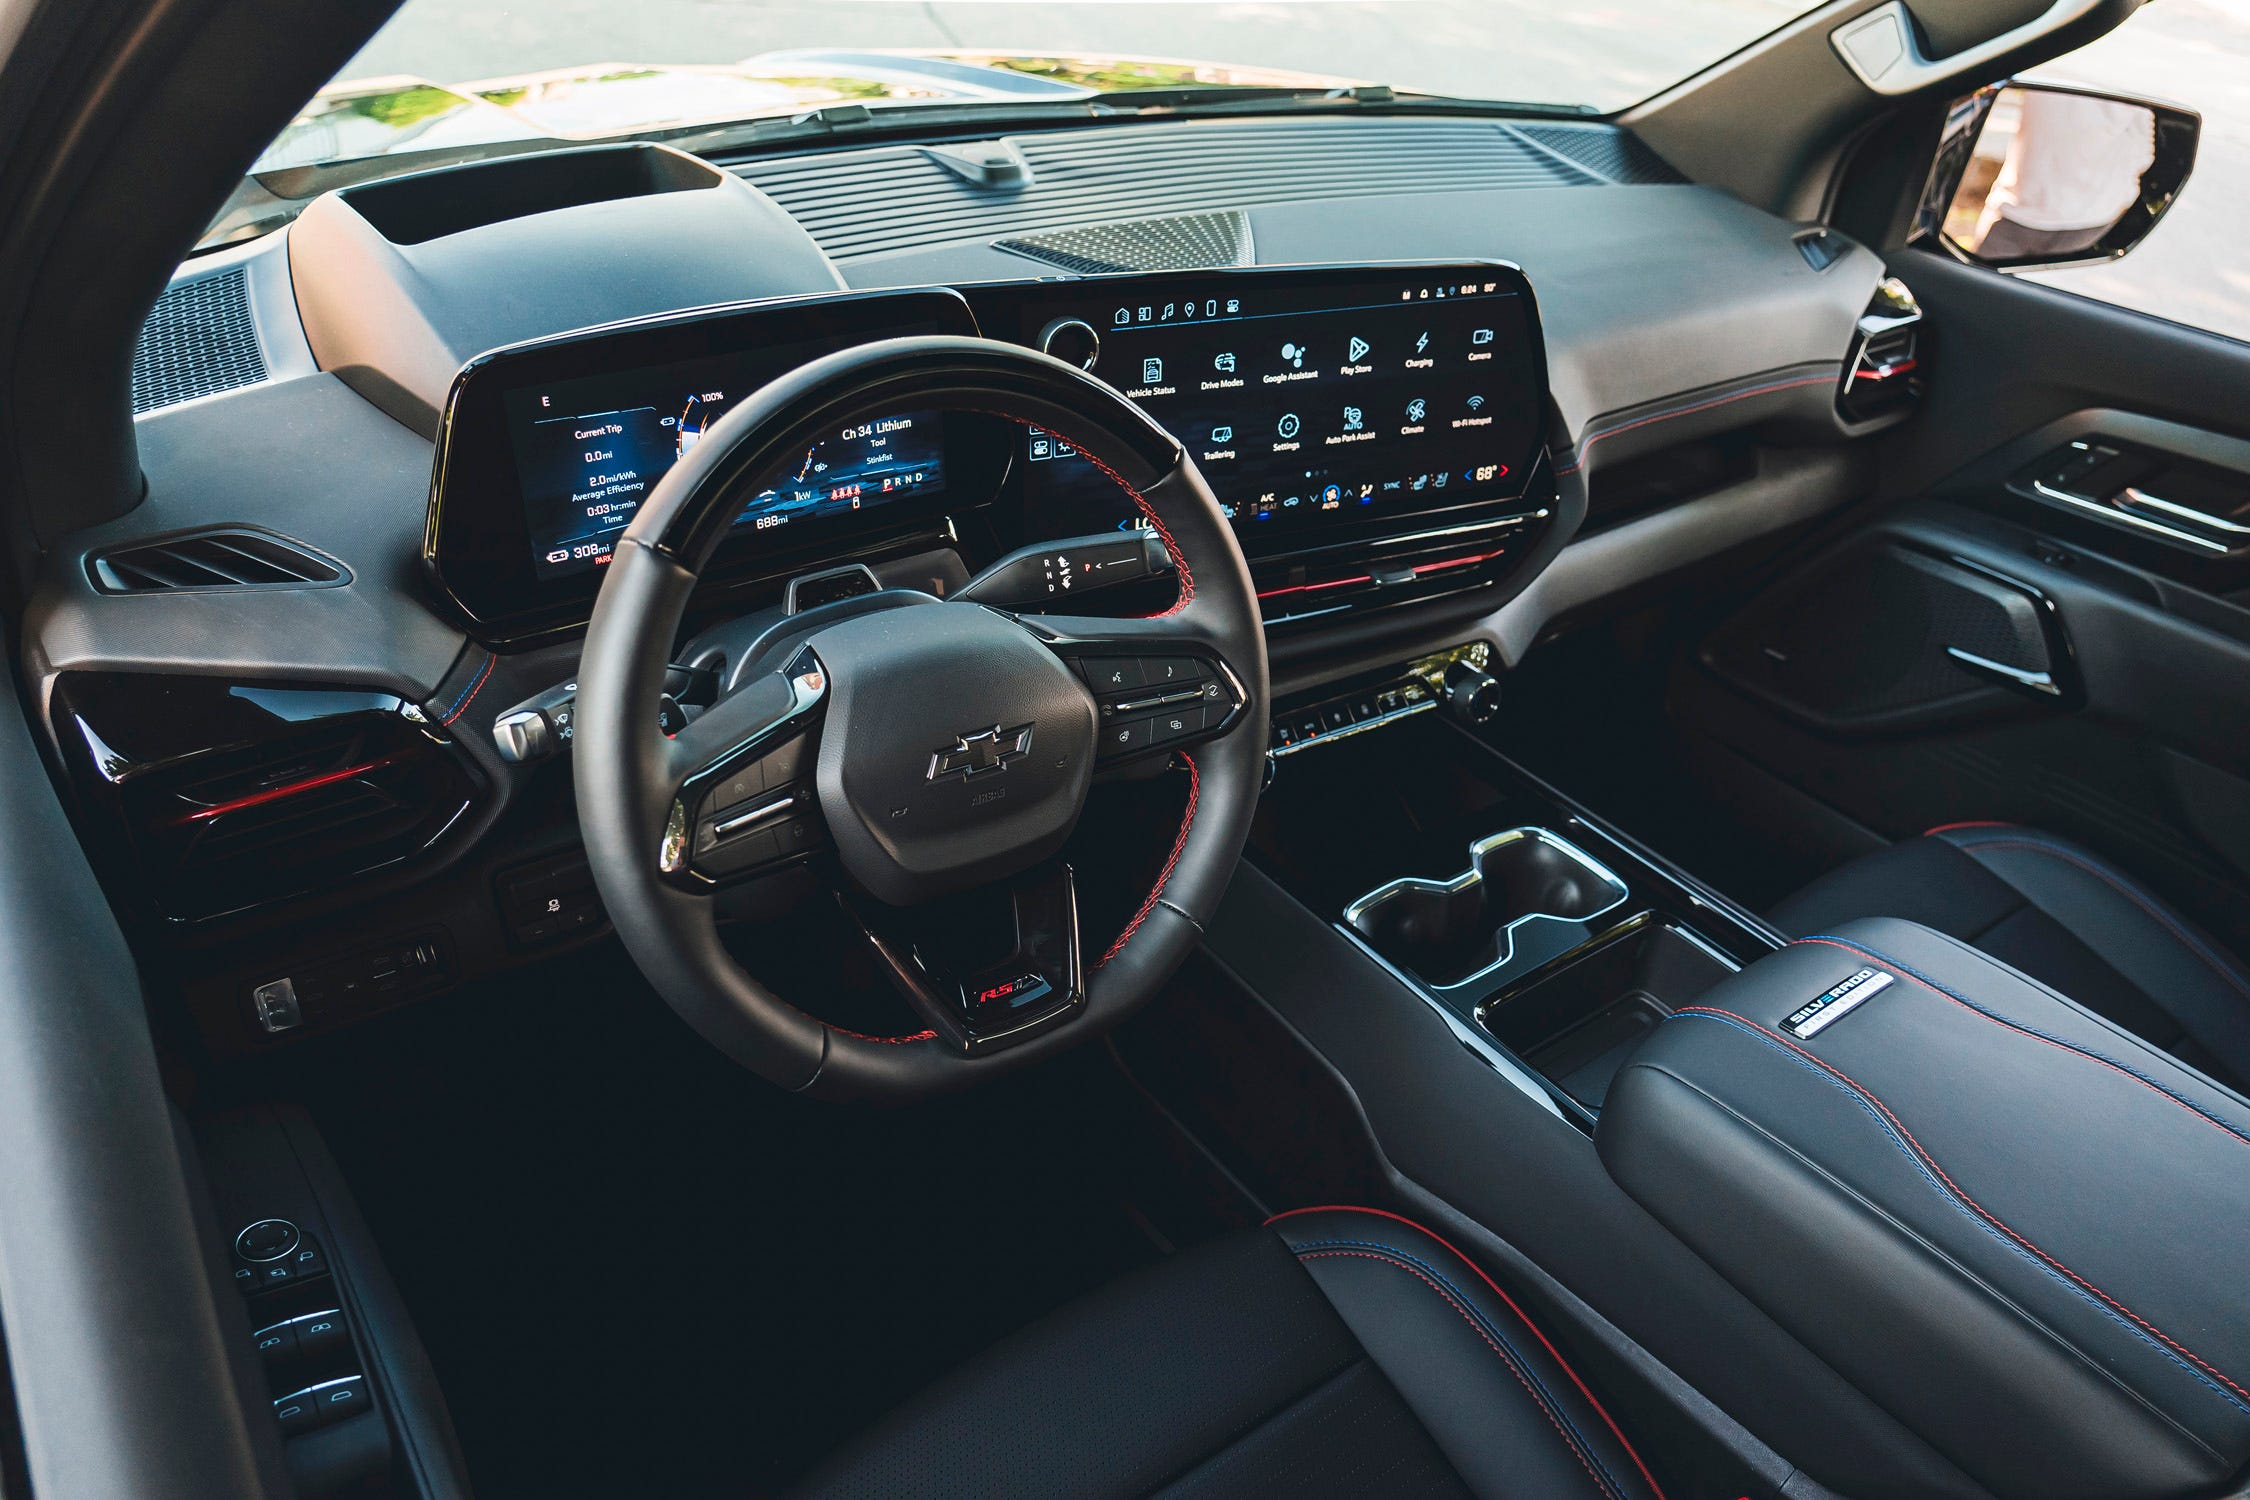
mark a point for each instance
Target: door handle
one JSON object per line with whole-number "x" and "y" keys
{"x": 1880, "y": 46}
{"x": 1984, "y": 666}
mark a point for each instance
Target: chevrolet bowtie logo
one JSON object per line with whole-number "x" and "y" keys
{"x": 972, "y": 755}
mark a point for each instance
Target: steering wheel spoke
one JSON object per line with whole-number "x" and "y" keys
{"x": 1159, "y": 685}
{"x": 988, "y": 968}
{"x": 743, "y": 770}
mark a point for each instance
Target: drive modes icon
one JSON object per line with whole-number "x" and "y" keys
{"x": 1223, "y": 362}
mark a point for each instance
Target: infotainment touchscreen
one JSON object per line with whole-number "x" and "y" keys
{"x": 588, "y": 451}
{"x": 1311, "y": 400}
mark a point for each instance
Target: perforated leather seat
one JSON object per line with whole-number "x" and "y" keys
{"x": 2063, "y": 915}
{"x": 1336, "y": 1352}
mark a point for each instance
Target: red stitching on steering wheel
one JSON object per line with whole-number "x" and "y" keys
{"x": 1140, "y": 501}
{"x": 1163, "y": 876}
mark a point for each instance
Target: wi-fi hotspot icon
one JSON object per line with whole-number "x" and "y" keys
{"x": 1476, "y": 403}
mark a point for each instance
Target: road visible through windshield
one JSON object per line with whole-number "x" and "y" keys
{"x": 1607, "y": 55}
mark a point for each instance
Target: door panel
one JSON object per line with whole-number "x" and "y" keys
{"x": 1838, "y": 678}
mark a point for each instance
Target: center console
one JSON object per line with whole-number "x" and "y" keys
{"x": 1986, "y": 1207}
{"x": 1551, "y": 943}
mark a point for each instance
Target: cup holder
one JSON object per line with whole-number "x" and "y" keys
{"x": 1527, "y": 897}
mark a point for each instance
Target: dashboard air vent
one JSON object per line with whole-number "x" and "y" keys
{"x": 1178, "y": 242}
{"x": 886, "y": 199}
{"x": 199, "y": 340}
{"x": 1879, "y": 376}
{"x": 1616, "y": 156}
{"x": 233, "y": 559}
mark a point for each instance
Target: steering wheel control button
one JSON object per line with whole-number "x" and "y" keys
{"x": 1108, "y": 674}
{"x": 267, "y": 1240}
{"x": 1167, "y": 671}
{"x": 1124, "y": 738}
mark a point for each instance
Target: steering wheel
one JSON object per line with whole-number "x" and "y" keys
{"x": 928, "y": 753}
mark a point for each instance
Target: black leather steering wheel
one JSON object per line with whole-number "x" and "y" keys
{"x": 948, "y": 746}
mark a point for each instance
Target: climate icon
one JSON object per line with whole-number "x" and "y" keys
{"x": 1417, "y": 409}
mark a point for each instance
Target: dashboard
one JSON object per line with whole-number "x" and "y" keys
{"x": 444, "y": 437}
{"x": 1330, "y": 409}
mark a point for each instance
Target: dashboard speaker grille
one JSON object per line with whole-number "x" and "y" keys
{"x": 888, "y": 199}
{"x": 1178, "y": 242}
{"x": 212, "y": 560}
{"x": 199, "y": 340}
{"x": 1616, "y": 156}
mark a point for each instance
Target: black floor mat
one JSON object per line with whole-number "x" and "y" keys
{"x": 640, "y": 1270}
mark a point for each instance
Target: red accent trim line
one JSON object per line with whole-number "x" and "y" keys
{"x": 291, "y": 789}
{"x": 1179, "y": 847}
{"x": 1312, "y": 588}
{"x": 1665, "y": 416}
{"x": 1599, "y": 1410}
{"x": 1886, "y": 372}
{"x": 1950, "y": 827}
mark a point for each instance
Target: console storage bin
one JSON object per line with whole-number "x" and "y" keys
{"x": 2018, "y": 1228}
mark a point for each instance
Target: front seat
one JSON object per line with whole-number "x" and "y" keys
{"x": 2061, "y": 914}
{"x": 1335, "y": 1352}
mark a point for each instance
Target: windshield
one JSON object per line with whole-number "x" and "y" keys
{"x": 471, "y": 71}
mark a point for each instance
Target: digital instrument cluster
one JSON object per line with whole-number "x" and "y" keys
{"x": 589, "y": 451}
{"x": 1358, "y": 412}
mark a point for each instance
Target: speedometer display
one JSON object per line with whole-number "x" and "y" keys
{"x": 590, "y": 450}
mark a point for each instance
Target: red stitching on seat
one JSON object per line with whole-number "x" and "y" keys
{"x": 1179, "y": 847}
{"x": 1931, "y": 1162}
{"x": 1521, "y": 1316}
{"x": 1447, "y": 1297}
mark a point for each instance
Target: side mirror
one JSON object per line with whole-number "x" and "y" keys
{"x": 2035, "y": 175}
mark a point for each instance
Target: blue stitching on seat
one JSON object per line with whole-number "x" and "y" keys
{"x": 2145, "y": 900}
{"x": 2084, "y": 1051}
{"x": 1963, "y": 1209}
{"x": 1523, "y": 1364}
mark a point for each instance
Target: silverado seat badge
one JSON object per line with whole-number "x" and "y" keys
{"x": 1817, "y": 1015}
